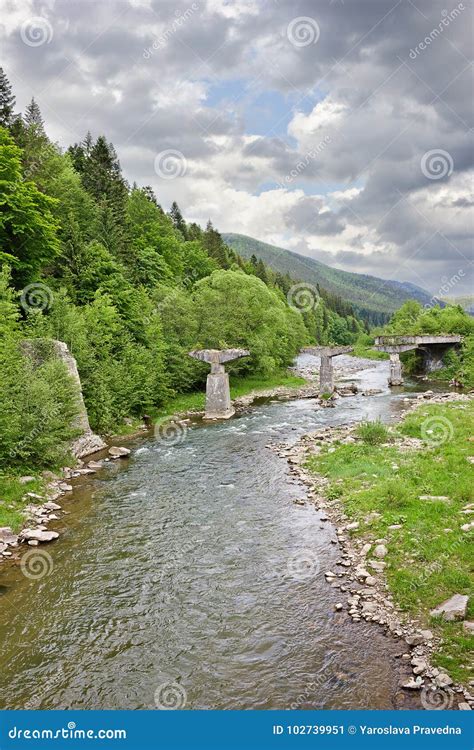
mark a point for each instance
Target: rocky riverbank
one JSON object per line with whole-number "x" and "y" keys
{"x": 43, "y": 509}
{"x": 360, "y": 577}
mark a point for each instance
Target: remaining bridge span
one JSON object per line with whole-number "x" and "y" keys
{"x": 432, "y": 347}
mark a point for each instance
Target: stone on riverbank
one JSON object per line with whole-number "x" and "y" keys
{"x": 39, "y": 535}
{"x": 7, "y": 536}
{"x": 452, "y": 609}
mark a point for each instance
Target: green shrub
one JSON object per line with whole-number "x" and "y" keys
{"x": 373, "y": 433}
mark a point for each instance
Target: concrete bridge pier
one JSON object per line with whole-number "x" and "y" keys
{"x": 326, "y": 372}
{"x": 218, "y": 403}
{"x": 395, "y": 377}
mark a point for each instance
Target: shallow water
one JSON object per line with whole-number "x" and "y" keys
{"x": 178, "y": 566}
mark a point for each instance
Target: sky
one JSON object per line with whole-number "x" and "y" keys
{"x": 340, "y": 129}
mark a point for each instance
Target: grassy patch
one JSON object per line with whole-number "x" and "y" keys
{"x": 430, "y": 557}
{"x": 11, "y": 499}
{"x": 373, "y": 433}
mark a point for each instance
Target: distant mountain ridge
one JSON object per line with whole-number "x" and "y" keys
{"x": 367, "y": 294}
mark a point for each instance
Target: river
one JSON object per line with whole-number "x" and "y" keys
{"x": 175, "y": 566}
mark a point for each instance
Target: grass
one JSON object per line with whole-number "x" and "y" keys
{"x": 11, "y": 499}
{"x": 430, "y": 558}
{"x": 373, "y": 433}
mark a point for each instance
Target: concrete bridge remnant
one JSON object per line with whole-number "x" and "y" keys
{"x": 326, "y": 372}
{"x": 433, "y": 349}
{"x": 38, "y": 350}
{"x": 218, "y": 403}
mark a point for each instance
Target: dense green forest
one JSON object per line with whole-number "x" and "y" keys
{"x": 92, "y": 261}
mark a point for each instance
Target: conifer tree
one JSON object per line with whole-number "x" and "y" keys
{"x": 7, "y": 101}
{"x": 33, "y": 117}
{"x": 177, "y": 218}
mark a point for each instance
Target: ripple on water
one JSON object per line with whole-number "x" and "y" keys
{"x": 179, "y": 565}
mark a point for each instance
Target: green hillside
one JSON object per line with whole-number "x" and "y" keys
{"x": 372, "y": 297}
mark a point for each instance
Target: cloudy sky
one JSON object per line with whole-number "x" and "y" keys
{"x": 341, "y": 129}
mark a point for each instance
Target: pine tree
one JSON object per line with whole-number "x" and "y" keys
{"x": 215, "y": 245}
{"x": 33, "y": 117}
{"x": 177, "y": 218}
{"x": 7, "y": 101}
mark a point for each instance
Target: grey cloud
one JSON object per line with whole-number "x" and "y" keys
{"x": 400, "y": 103}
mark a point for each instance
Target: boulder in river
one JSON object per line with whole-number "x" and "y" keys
{"x": 118, "y": 451}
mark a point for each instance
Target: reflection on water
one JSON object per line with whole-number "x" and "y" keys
{"x": 176, "y": 566}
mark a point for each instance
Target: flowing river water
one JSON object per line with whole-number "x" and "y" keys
{"x": 174, "y": 566}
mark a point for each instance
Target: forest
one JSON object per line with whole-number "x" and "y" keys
{"x": 90, "y": 260}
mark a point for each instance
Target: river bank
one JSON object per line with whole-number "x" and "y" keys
{"x": 403, "y": 554}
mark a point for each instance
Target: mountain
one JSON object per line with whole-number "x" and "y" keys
{"x": 466, "y": 301}
{"x": 368, "y": 294}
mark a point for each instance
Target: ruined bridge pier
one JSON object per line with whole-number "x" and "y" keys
{"x": 326, "y": 371}
{"x": 218, "y": 403}
{"x": 432, "y": 347}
